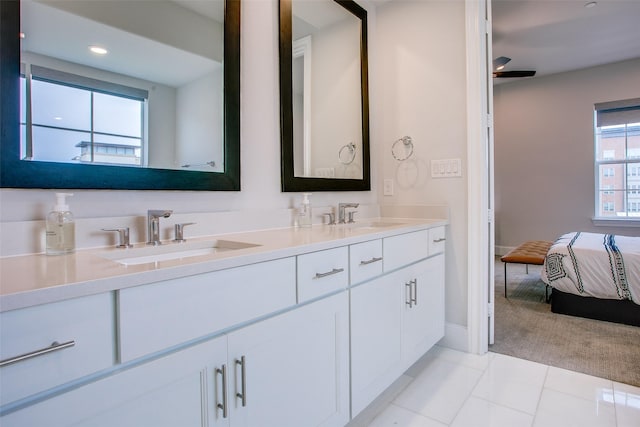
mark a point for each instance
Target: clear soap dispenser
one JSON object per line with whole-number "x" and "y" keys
{"x": 61, "y": 228}
{"x": 304, "y": 214}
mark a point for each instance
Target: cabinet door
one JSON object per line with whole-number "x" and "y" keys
{"x": 181, "y": 389}
{"x": 296, "y": 368}
{"x": 423, "y": 312}
{"x": 375, "y": 339}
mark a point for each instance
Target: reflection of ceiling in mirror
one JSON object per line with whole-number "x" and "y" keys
{"x": 53, "y": 32}
{"x": 312, "y": 15}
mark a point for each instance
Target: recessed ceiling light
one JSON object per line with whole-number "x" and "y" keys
{"x": 591, "y": 4}
{"x": 22, "y": 35}
{"x": 98, "y": 50}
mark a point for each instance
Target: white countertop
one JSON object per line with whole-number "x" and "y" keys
{"x": 38, "y": 279}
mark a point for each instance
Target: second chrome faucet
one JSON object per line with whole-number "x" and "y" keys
{"x": 153, "y": 225}
{"x": 341, "y": 212}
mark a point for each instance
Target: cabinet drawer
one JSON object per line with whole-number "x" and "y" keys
{"x": 82, "y": 327}
{"x": 322, "y": 272}
{"x": 164, "y": 314}
{"x": 405, "y": 249}
{"x": 437, "y": 240}
{"x": 365, "y": 261}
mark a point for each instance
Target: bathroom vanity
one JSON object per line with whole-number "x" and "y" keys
{"x": 289, "y": 327}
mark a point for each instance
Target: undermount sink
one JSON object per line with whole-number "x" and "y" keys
{"x": 172, "y": 251}
{"x": 375, "y": 225}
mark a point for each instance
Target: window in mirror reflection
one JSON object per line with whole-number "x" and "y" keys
{"x": 70, "y": 122}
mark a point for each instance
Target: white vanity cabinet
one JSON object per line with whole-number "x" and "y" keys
{"x": 296, "y": 368}
{"x": 290, "y": 370}
{"x": 164, "y": 314}
{"x": 376, "y": 325}
{"x": 47, "y": 345}
{"x": 175, "y": 390}
{"x": 306, "y": 339}
{"x": 397, "y": 317}
{"x": 423, "y": 308}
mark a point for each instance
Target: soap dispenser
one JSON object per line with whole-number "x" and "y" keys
{"x": 304, "y": 214}
{"x": 61, "y": 230}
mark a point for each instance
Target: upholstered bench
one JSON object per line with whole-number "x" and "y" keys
{"x": 531, "y": 252}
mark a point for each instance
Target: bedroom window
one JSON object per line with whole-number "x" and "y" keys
{"x": 90, "y": 121}
{"x": 617, "y": 159}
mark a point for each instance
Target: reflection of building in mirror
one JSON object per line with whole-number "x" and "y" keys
{"x": 327, "y": 108}
{"x": 155, "y": 100}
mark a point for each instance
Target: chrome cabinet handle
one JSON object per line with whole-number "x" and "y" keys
{"x": 413, "y": 293}
{"x": 329, "y": 273}
{"x": 55, "y": 346}
{"x": 408, "y": 301}
{"x": 442, "y": 239}
{"x": 243, "y": 380}
{"x": 223, "y": 405}
{"x": 371, "y": 261}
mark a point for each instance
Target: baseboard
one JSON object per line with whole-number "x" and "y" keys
{"x": 455, "y": 337}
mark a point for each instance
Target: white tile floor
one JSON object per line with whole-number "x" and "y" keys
{"x": 456, "y": 389}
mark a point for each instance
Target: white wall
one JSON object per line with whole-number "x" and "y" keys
{"x": 544, "y": 153}
{"x": 420, "y": 91}
{"x": 199, "y": 126}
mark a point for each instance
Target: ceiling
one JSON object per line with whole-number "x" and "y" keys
{"x": 553, "y": 36}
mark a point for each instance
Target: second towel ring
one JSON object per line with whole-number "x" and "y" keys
{"x": 407, "y": 142}
{"x": 352, "y": 153}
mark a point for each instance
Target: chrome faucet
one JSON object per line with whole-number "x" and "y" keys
{"x": 153, "y": 225}
{"x": 341, "y": 210}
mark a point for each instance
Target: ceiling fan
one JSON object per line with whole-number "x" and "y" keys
{"x": 500, "y": 62}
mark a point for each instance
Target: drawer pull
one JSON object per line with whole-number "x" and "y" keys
{"x": 223, "y": 405}
{"x": 329, "y": 273}
{"x": 371, "y": 261}
{"x": 442, "y": 239}
{"x": 243, "y": 380}
{"x": 55, "y": 346}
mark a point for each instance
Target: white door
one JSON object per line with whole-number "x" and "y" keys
{"x": 490, "y": 186}
{"x": 293, "y": 370}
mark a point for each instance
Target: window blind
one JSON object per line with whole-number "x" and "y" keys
{"x": 82, "y": 82}
{"x": 617, "y": 112}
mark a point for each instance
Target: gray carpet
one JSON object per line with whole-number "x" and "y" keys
{"x": 526, "y": 328}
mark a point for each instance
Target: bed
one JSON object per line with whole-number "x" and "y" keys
{"x": 595, "y": 276}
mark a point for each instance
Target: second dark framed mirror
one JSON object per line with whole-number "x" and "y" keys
{"x": 324, "y": 96}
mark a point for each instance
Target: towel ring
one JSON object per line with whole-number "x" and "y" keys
{"x": 406, "y": 142}
{"x": 352, "y": 153}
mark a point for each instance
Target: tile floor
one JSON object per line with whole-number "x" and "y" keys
{"x": 452, "y": 388}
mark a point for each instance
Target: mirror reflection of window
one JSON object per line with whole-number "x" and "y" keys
{"x": 73, "y": 123}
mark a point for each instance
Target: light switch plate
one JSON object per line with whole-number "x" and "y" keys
{"x": 446, "y": 168}
{"x": 388, "y": 187}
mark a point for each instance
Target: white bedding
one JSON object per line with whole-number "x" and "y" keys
{"x": 598, "y": 265}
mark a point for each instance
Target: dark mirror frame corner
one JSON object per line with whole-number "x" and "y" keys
{"x": 290, "y": 182}
{"x": 15, "y": 173}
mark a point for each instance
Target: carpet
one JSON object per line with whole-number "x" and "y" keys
{"x": 526, "y": 328}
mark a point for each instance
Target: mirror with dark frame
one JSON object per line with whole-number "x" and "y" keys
{"x": 91, "y": 123}
{"x": 324, "y": 100}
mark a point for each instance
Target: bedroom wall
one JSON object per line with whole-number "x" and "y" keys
{"x": 544, "y": 152}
